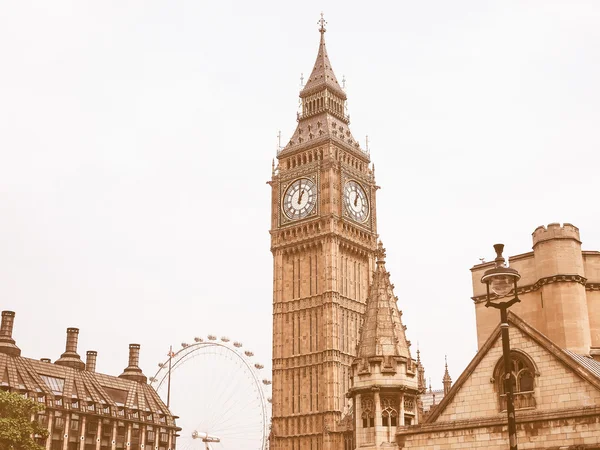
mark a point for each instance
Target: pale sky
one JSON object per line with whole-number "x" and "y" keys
{"x": 136, "y": 138}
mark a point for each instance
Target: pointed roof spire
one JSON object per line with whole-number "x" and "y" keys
{"x": 446, "y": 381}
{"x": 382, "y": 331}
{"x": 322, "y": 75}
{"x": 422, "y": 384}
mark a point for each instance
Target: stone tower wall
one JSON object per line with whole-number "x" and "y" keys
{"x": 557, "y": 251}
{"x": 591, "y": 261}
{"x": 556, "y": 290}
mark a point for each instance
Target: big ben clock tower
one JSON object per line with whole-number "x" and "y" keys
{"x": 323, "y": 240}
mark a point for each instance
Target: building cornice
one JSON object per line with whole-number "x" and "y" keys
{"x": 562, "y": 278}
{"x": 500, "y": 420}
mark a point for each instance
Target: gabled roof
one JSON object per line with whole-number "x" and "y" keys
{"x": 584, "y": 367}
{"x": 591, "y": 364}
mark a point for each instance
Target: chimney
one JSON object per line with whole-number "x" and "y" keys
{"x": 90, "y": 361}
{"x": 7, "y": 343}
{"x": 70, "y": 358}
{"x": 132, "y": 371}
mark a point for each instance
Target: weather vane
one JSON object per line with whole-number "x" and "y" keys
{"x": 322, "y": 22}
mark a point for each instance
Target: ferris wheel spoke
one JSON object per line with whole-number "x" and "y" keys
{"x": 222, "y": 388}
{"x": 216, "y": 387}
{"x": 235, "y": 406}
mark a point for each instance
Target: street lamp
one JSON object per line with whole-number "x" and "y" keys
{"x": 502, "y": 281}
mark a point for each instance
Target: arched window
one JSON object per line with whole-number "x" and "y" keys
{"x": 368, "y": 417}
{"x": 522, "y": 378}
{"x": 389, "y": 412}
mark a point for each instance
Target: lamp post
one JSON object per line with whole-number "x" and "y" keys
{"x": 502, "y": 280}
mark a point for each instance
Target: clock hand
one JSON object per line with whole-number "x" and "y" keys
{"x": 356, "y": 199}
{"x": 300, "y": 196}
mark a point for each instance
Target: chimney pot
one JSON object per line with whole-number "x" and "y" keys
{"x": 90, "y": 361}
{"x": 70, "y": 358}
{"x": 72, "y": 335}
{"x": 134, "y": 355}
{"x": 132, "y": 371}
{"x": 7, "y": 343}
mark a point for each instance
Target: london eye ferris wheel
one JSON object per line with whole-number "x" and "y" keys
{"x": 217, "y": 390}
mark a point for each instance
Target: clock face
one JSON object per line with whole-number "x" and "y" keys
{"x": 299, "y": 199}
{"x": 356, "y": 202}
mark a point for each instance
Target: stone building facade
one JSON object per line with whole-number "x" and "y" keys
{"x": 553, "y": 339}
{"x": 557, "y": 399}
{"x": 86, "y": 410}
{"x": 559, "y": 290}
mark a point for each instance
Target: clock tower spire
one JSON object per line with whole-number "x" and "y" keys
{"x": 323, "y": 240}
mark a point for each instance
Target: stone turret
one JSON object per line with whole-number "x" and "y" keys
{"x": 559, "y": 290}
{"x": 558, "y": 256}
{"x": 385, "y": 381}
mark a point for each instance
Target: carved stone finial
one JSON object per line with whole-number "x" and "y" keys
{"x": 380, "y": 253}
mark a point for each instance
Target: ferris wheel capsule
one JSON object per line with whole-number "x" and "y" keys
{"x": 266, "y": 382}
{"x": 237, "y": 344}
{"x": 184, "y": 345}
{"x": 152, "y": 379}
{"x": 224, "y": 339}
{"x": 258, "y": 366}
{"x": 248, "y": 353}
{"x": 212, "y": 337}
{"x": 198, "y": 339}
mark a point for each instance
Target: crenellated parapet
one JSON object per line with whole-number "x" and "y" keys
{"x": 555, "y": 231}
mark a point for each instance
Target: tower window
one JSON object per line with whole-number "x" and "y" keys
{"x": 368, "y": 416}
{"x": 389, "y": 413}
